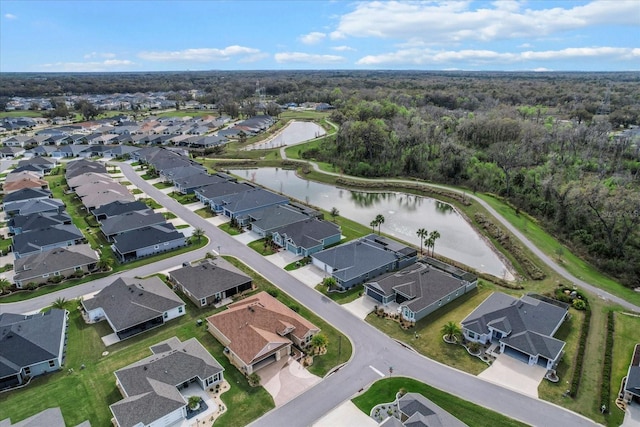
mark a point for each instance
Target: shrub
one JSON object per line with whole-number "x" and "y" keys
{"x": 273, "y": 292}
{"x": 579, "y": 304}
{"x": 582, "y": 344}
{"x": 605, "y": 386}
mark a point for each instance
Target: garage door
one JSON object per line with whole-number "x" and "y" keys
{"x": 376, "y": 296}
{"x": 264, "y": 362}
{"x": 516, "y": 354}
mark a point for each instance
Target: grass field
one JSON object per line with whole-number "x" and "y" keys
{"x": 205, "y": 212}
{"x": 346, "y": 297}
{"x": 227, "y": 228}
{"x": 384, "y": 391}
{"x": 260, "y": 247}
{"x": 20, "y": 113}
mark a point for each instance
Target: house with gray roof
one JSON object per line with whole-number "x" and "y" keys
{"x": 27, "y": 207}
{"x": 25, "y": 194}
{"x": 78, "y": 167}
{"x": 240, "y": 205}
{"x": 212, "y": 194}
{"x": 90, "y": 188}
{"x": 358, "y": 261}
{"x": 88, "y": 178}
{"x": 69, "y": 151}
{"x": 8, "y": 152}
{"x": 632, "y": 382}
{"x": 191, "y": 183}
{"x": 183, "y": 172}
{"x": 131, "y": 305}
{"x": 210, "y": 281}
{"x": 523, "y": 327}
{"x": 415, "y": 410}
{"x": 105, "y": 196}
{"x": 45, "y": 239}
{"x": 21, "y": 224}
{"x": 70, "y": 261}
{"x": 156, "y": 389}
{"x": 147, "y": 241}
{"x": 130, "y": 221}
{"x": 307, "y": 237}
{"x": 265, "y": 221}
{"x": 419, "y": 289}
{"x": 31, "y": 345}
{"x": 118, "y": 207}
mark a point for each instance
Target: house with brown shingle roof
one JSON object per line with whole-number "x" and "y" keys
{"x": 260, "y": 330}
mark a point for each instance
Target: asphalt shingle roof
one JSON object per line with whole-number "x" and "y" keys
{"x": 209, "y": 277}
{"x": 54, "y": 260}
{"x": 146, "y": 236}
{"x": 131, "y": 221}
{"x": 36, "y": 239}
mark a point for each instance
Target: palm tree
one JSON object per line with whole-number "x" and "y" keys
{"x": 379, "y": 221}
{"x": 59, "y": 303}
{"x": 450, "y": 330}
{"x": 373, "y": 225}
{"x": 4, "y": 285}
{"x": 422, "y": 233}
{"x": 104, "y": 263}
{"x": 435, "y": 235}
{"x": 198, "y": 233}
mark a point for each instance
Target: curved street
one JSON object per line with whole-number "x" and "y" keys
{"x": 374, "y": 352}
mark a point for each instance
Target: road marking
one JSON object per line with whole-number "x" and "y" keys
{"x": 376, "y": 371}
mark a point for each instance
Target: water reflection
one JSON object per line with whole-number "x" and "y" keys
{"x": 404, "y": 215}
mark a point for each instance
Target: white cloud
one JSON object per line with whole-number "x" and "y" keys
{"x": 343, "y": 49}
{"x": 99, "y": 55}
{"x": 473, "y": 57}
{"x": 106, "y": 65}
{"x": 199, "y": 54}
{"x": 541, "y": 70}
{"x": 10, "y": 16}
{"x": 313, "y": 37}
{"x": 307, "y": 58}
{"x": 457, "y": 21}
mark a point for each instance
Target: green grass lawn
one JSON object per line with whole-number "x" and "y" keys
{"x": 20, "y": 113}
{"x": 227, "y": 228}
{"x": 183, "y": 199}
{"x": 161, "y": 185}
{"x": 147, "y": 176}
{"x": 169, "y": 215}
{"x": 384, "y": 391}
{"x": 182, "y": 226}
{"x": 87, "y": 393}
{"x": 151, "y": 203}
{"x": 136, "y": 191}
{"x": 627, "y": 335}
{"x": 260, "y": 247}
{"x": 345, "y": 297}
{"x": 205, "y": 212}
{"x": 125, "y": 183}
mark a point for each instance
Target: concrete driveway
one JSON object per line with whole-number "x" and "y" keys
{"x": 514, "y": 374}
{"x": 631, "y": 416}
{"x": 346, "y": 415}
{"x": 361, "y": 307}
{"x": 310, "y": 275}
{"x": 246, "y": 237}
{"x": 282, "y": 258}
{"x": 286, "y": 379}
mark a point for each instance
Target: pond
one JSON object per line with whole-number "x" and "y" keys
{"x": 404, "y": 214}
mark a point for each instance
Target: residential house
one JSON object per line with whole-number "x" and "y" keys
{"x": 212, "y": 194}
{"x": 39, "y": 170}
{"x": 156, "y": 389}
{"x": 25, "y": 180}
{"x": 36, "y": 221}
{"x": 260, "y": 330}
{"x": 9, "y": 152}
{"x": 265, "y": 221}
{"x": 239, "y": 205}
{"x": 69, "y": 151}
{"x": 61, "y": 262}
{"x": 415, "y": 410}
{"x": 523, "y": 327}
{"x": 189, "y": 184}
{"x": 78, "y": 167}
{"x": 90, "y": 188}
{"x": 27, "y": 207}
{"x": 184, "y": 172}
{"x": 130, "y": 221}
{"x": 88, "y": 178}
{"x": 45, "y": 164}
{"x": 24, "y": 195}
{"x": 106, "y": 196}
{"x": 31, "y": 345}
{"x": 147, "y": 241}
{"x": 39, "y": 151}
{"x": 45, "y": 239}
{"x": 19, "y": 141}
{"x": 419, "y": 289}
{"x": 360, "y": 260}
{"x": 131, "y": 305}
{"x": 116, "y": 208}
{"x": 210, "y": 281}
{"x": 632, "y": 382}
{"x": 307, "y": 237}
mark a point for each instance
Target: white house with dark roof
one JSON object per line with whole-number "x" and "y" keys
{"x": 132, "y": 306}
{"x": 307, "y": 237}
{"x": 31, "y": 345}
{"x": 147, "y": 241}
{"x": 45, "y": 239}
{"x": 156, "y": 389}
{"x": 524, "y": 327}
{"x": 130, "y": 221}
{"x": 419, "y": 289}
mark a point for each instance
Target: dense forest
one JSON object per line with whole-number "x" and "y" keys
{"x": 550, "y": 143}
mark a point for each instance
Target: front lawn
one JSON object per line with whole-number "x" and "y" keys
{"x": 345, "y": 297}
{"x": 227, "y": 228}
{"x": 384, "y": 391}
{"x": 262, "y": 247}
{"x": 205, "y": 212}
{"x": 161, "y": 185}
{"x": 183, "y": 199}
{"x": 627, "y": 335}
{"x": 151, "y": 203}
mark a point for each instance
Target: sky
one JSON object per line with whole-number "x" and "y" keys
{"x": 505, "y": 35}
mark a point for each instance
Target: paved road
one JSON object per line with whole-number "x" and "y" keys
{"x": 595, "y": 290}
{"x": 374, "y": 352}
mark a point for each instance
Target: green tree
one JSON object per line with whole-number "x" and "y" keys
{"x": 450, "y": 330}
{"x": 433, "y": 236}
{"x": 319, "y": 341}
{"x": 329, "y": 282}
{"x": 59, "y": 303}
{"x": 334, "y": 213}
{"x": 373, "y": 225}
{"x": 379, "y": 221}
{"x": 422, "y": 233}
{"x": 242, "y": 135}
{"x": 194, "y": 401}
{"x": 104, "y": 263}
{"x": 198, "y": 233}
{"x": 4, "y": 285}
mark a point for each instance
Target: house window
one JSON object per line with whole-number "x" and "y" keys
{"x": 78, "y": 268}
{"x": 166, "y": 243}
{"x": 166, "y": 314}
{"x": 52, "y": 363}
{"x": 156, "y": 247}
{"x": 180, "y": 310}
{"x": 27, "y": 371}
{"x": 203, "y": 301}
{"x": 57, "y": 273}
{"x": 45, "y": 275}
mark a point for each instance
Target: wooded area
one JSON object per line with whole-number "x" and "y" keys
{"x": 547, "y": 142}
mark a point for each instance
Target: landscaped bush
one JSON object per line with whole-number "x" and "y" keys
{"x": 582, "y": 344}
{"x": 605, "y": 387}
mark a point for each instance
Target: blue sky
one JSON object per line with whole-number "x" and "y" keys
{"x": 85, "y": 35}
